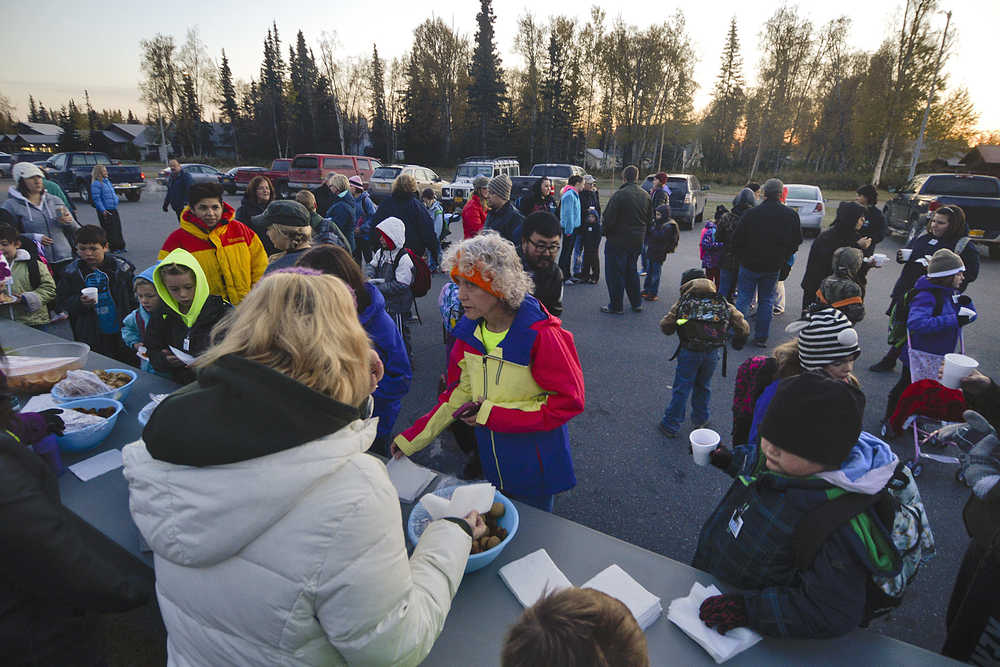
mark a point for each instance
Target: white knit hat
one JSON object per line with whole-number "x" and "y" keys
{"x": 25, "y": 170}
{"x": 825, "y": 336}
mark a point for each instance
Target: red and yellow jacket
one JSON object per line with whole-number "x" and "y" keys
{"x": 231, "y": 255}
{"x": 530, "y": 386}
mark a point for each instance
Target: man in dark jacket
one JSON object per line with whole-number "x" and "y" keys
{"x": 765, "y": 239}
{"x": 406, "y": 206}
{"x": 177, "y": 188}
{"x": 842, "y": 233}
{"x": 540, "y": 236}
{"x": 628, "y": 213}
{"x": 503, "y": 216}
{"x": 876, "y": 228}
{"x": 589, "y": 195}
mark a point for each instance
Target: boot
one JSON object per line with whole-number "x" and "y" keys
{"x": 886, "y": 365}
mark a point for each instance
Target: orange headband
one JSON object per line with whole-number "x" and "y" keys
{"x": 474, "y": 276}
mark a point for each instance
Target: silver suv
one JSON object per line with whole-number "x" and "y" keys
{"x": 454, "y": 195}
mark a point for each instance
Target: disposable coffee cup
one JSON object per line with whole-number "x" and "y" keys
{"x": 879, "y": 259}
{"x": 956, "y": 367}
{"x": 703, "y": 443}
{"x": 89, "y": 292}
{"x": 905, "y": 254}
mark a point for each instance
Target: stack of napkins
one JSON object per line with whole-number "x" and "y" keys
{"x": 464, "y": 499}
{"x": 532, "y": 577}
{"x": 684, "y": 613}
{"x": 618, "y": 584}
{"x": 408, "y": 478}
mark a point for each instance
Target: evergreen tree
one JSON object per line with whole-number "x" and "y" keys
{"x": 32, "y": 110}
{"x": 131, "y": 120}
{"x": 728, "y": 101}
{"x": 227, "y": 101}
{"x": 43, "y": 115}
{"x": 302, "y": 93}
{"x": 380, "y": 121}
{"x": 487, "y": 91}
{"x": 272, "y": 113}
{"x": 70, "y": 139}
{"x": 189, "y": 118}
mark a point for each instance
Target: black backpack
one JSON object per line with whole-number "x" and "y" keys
{"x": 34, "y": 273}
{"x": 900, "y": 313}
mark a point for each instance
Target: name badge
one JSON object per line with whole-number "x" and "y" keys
{"x": 932, "y": 242}
{"x": 187, "y": 344}
{"x": 736, "y": 520}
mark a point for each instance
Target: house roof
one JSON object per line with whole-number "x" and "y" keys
{"x": 595, "y": 153}
{"x": 41, "y": 128}
{"x": 115, "y": 137}
{"x": 131, "y": 129}
{"x": 41, "y": 139}
{"x": 990, "y": 154}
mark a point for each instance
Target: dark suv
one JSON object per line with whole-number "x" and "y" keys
{"x": 688, "y": 198}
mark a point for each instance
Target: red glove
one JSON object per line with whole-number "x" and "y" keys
{"x": 724, "y": 612}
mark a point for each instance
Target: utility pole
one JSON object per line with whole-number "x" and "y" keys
{"x": 930, "y": 96}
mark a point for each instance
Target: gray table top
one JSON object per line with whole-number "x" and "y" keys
{"x": 483, "y": 609}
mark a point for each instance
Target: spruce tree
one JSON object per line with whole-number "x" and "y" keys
{"x": 380, "y": 123}
{"x": 487, "y": 91}
{"x": 32, "y": 110}
{"x": 227, "y": 101}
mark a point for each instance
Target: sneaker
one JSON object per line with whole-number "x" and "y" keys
{"x": 650, "y": 297}
{"x": 670, "y": 433}
{"x": 593, "y": 281}
{"x": 642, "y": 274}
{"x": 570, "y": 281}
{"x": 760, "y": 342}
{"x": 703, "y": 424}
{"x": 886, "y": 365}
{"x": 777, "y": 313}
{"x": 607, "y": 309}
{"x": 637, "y": 309}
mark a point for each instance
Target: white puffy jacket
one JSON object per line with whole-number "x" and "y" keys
{"x": 295, "y": 558}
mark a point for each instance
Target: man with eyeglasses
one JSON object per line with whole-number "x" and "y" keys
{"x": 541, "y": 239}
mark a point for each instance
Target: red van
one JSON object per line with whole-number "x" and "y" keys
{"x": 310, "y": 169}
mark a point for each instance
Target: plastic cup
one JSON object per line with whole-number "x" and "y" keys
{"x": 905, "y": 254}
{"x": 89, "y": 292}
{"x": 703, "y": 443}
{"x": 879, "y": 259}
{"x": 956, "y": 367}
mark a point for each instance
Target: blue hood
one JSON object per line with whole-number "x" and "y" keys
{"x": 376, "y": 306}
{"x": 146, "y": 275}
{"x": 867, "y": 469}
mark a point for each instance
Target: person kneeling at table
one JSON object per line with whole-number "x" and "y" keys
{"x": 809, "y": 451}
{"x": 572, "y": 627}
{"x": 278, "y": 540}
{"x": 513, "y": 373}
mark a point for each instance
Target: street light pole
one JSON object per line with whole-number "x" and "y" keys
{"x": 930, "y": 95}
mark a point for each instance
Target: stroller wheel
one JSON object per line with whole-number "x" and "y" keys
{"x": 960, "y": 476}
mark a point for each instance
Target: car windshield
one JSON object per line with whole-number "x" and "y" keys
{"x": 472, "y": 170}
{"x": 282, "y": 166}
{"x": 554, "y": 170}
{"x": 803, "y": 192}
{"x": 679, "y": 185}
{"x": 101, "y": 159}
{"x": 305, "y": 163}
{"x": 958, "y": 185}
{"x": 386, "y": 172}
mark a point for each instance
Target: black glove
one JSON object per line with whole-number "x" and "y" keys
{"x": 720, "y": 457}
{"x": 963, "y": 300}
{"x": 53, "y": 421}
{"x": 724, "y": 612}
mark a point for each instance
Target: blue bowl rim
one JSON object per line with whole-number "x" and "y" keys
{"x": 131, "y": 371}
{"x": 497, "y": 495}
{"x": 69, "y": 405}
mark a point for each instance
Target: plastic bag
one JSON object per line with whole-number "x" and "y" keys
{"x": 82, "y": 383}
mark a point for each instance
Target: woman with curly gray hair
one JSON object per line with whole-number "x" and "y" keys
{"x": 513, "y": 374}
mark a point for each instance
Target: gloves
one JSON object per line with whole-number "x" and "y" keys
{"x": 720, "y": 457}
{"x": 965, "y": 315}
{"x": 53, "y": 421}
{"x": 962, "y": 300}
{"x": 724, "y": 612}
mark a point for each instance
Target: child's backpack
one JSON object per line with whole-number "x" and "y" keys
{"x": 450, "y": 307}
{"x": 900, "y": 313}
{"x": 745, "y": 396}
{"x": 34, "y": 274}
{"x": 702, "y": 322}
{"x": 896, "y": 520}
{"x": 421, "y": 284}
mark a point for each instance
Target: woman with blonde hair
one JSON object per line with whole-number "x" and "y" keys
{"x": 404, "y": 203}
{"x": 513, "y": 374}
{"x": 277, "y": 539}
{"x": 102, "y": 194}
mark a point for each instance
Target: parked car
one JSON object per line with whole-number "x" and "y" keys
{"x": 808, "y": 201}
{"x": 309, "y": 170}
{"x": 521, "y": 185}
{"x": 200, "y": 173}
{"x": 35, "y": 157}
{"x": 558, "y": 174}
{"x": 72, "y": 172}
{"x": 6, "y": 164}
{"x": 380, "y": 185}
{"x": 977, "y": 195}
{"x": 278, "y": 174}
{"x": 688, "y": 198}
{"x": 229, "y": 179}
{"x": 455, "y": 194}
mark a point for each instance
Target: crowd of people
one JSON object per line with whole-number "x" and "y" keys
{"x": 292, "y": 318}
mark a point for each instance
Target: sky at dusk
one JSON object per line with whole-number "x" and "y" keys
{"x": 99, "y": 49}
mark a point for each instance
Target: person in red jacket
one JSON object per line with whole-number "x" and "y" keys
{"x": 474, "y": 213}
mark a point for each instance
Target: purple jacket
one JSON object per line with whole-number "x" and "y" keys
{"x": 937, "y": 334}
{"x": 710, "y": 249}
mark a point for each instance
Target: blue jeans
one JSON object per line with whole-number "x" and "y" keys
{"x": 763, "y": 284}
{"x": 651, "y": 285}
{"x": 621, "y": 275}
{"x": 578, "y": 254}
{"x": 693, "y": 378}
{"x": 543, "y": 502}
{"x": 727, "y": 281}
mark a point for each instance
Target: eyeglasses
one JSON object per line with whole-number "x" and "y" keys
{"x": 545, "y": 247}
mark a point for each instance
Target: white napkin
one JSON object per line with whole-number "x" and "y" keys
{"x": 531, "y": 577}
{"x": 95, "y": 466}
{"x": 408, "y": 478}
{"x": 73, "y": 420}
{"x": 684, "y": 614}
{"x": 182, "y": 356}
{"x": 463, "y": 500}
{"x": 617, "y": 583}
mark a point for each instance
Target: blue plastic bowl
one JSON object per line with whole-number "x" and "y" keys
{"x": 419, "y": 518}
{"x": 90, "y": 437}
{"x": 119, "y": 394}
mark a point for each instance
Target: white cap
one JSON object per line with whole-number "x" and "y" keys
{"x": 25, "y": 170}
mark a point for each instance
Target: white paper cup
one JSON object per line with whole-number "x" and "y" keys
{"x": 879, "y": 259}
{"x": 89, "y": 292}
{"x": 905, "y": 254}
{"x": 956, "y": 367}
{"x": 703, "y": 442}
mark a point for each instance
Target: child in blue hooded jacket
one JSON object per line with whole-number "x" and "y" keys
{"x": 134, "y": 324}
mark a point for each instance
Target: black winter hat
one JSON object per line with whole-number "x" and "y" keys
{"x": 848, "y": 213}
{"x": 692, "y": 274}
{"x": 815, "y": 417}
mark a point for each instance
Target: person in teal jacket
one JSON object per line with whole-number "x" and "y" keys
{"x": 134, "y": 324}
{"x": 102, "y": 194}
{"x": 569, "y": 216}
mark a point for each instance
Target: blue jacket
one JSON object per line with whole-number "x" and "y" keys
{"x": 177, "y": 191}
{"x": 937, "y": 334}
{"x": 364, "y": 211}
{"x": 341, "y": 211}
{"x": 569, "y": 211}
{"x": 102, "y": 193}
{"x": 134, "y": 324}
{"x": 925, "y": 246}
{"x": 388, "y": 343}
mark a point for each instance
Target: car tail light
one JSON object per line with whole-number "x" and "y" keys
{"x": 934, "y": 205}
{"x": 142, "y": 175}
{"x": 819, "y": 207}
{"x": 687, "y": 197}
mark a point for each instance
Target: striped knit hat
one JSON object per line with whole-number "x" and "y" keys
{"x": 824, "y": 336}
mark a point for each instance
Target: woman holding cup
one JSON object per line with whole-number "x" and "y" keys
{"x": 42, "y": 216}
{"x": 102, "y": 193}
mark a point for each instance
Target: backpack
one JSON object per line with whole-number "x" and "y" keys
{"x": 450, "y": 308}
{"x": 707, "y": 322}
{"x": 421, "y": 284}
{"x": 744, "y": 393}
{"x": 895, "y": 516}
{"x": 34, "y": 274}
{"x": 900, "y": 313}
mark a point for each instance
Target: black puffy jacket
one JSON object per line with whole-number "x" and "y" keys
{"x": 767, "y": 236}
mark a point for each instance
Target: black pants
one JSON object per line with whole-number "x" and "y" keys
{"x": 112, "y": 225}
{"x": 591, "y": 269}
{"x": 897, "y": 391}
{"x": 566, "y": 258}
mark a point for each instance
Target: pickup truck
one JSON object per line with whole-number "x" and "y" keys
{"x": 278, "y": 173}
{"x": 72, "y": 172}
{"x": 558, "y": 174}
{"x": 978, "y": 196}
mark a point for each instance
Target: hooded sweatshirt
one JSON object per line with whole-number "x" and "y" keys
{"x": 135, "y": 323}
{"x": 393, "y": 266}
{"x": 41, "y": 220}
{"x": 277, "y": 540}
{"x": 844, "y": 290}
{"x": 827, "y": 599}
{"x": 842, "y": 233}
{"x": 189, "y": 332}
{"x": 31, "y": 308}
